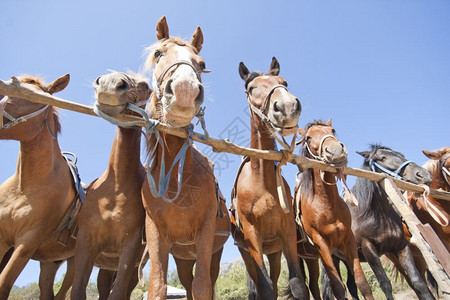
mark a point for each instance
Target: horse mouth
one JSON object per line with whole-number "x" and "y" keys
{"x": 111, "y": 110}
{"x": 177, "y": 121}
{"x": 338, "y": 163}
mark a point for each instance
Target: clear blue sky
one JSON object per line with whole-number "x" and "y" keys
{"x": 379, "y": 69}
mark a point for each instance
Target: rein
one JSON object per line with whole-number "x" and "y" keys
{"x": 150, "y": 125}
{"x": 395, "y": 174}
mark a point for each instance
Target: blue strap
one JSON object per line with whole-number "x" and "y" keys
{"x": 395, "y": 174}
{"x": 164, "y": 179}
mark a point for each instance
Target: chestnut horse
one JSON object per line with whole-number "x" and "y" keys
{"x": 324, "y": 214}
{"x": 40, "y": 200}
{"x": 261, "y": 224}
{"x": 184, "y": 213}
{"x": 376, "y": 223}
{"x": 112, "y": 220}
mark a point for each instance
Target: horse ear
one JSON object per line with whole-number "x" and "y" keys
{"x": 197, "y": 39}
{"x": 431, "y": 155}
{"x": 59, "y": 84}
{"x": 162, "y": 30}
{"x": 364, "y": 154}
{"x": 274, "y": 67}
{"x": 144, "y": 91}
{"x": 328, "y": 123}
{"x": 243, "y": 71}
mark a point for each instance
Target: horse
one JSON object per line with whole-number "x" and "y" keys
{"x": 430, "y": 210}
{"x": 185, "y": 214}
{"x": 377, "y": 225}
{"x": 43, "y": 183}
{"x": 262, "y": 220}
{"x": 325, "y": 216}
{"x": 110, "y": 231}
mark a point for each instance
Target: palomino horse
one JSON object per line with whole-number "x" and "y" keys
{"x": 112, "y": 220}
{"x": 377, "y": 225}
{"x": 39, "y": 201}
{"x": 184, "y": 214}
{"x": 324, "y": 214}
{"x": 263, "y": 222}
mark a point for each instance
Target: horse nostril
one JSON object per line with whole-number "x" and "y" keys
{"x": 97, "y": 81}
{"x": 122, "y": 85}
{"x": 168, "y": 88}
{"x": 201, "y": 94}
{"x": 299, "y": 106}
{"x": 275, "y": 106}
{"x": 419, "y": 175}
{"x": 327, "y": 151}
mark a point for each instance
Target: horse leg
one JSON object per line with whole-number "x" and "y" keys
{"x": 184, "y": 270}
{"x": 127, "y": 262}
{"x": 68, "y": 279}
{"x": 158, "y": 250}
{"x": 314, "y": 273}
{"x": 84, "y": 259}
{"x": 47, "y": 278}
{"x": 325, "y": 254}
{"x": 19, "y": 258}
{"x": 353, "y": 265}
{"x": 256, "y": 269}
{"x": 215, "y": 268}
{"x": 371, "y": 255}
{"x": 351, "y": 283}
{"x": 327, "y": 292}
{"x": 275, "y": 269}
{"x": 202, "y": 285}
{"x": 406, "y": 260}
{"x": 296, "y": 276}
{"x": 105, "y": 279}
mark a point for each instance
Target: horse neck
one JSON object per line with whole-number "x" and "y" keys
{"x": 438, "y": 180}
{"x": 125, "y": 154}
{"x": 263, "y": 140}
{"x": 370, "y": 194}
{"x": 328, "y": 192}
{"x": 39, "y": 159}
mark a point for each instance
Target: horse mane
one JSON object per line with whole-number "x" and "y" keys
{"x": 38, "y": 81}
{"x": 149, "y": 51}
{"x": 252, "y": 76}
{"x": 306, "y": 178}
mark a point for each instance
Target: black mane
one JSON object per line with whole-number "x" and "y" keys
{"x": 252, "y": 76}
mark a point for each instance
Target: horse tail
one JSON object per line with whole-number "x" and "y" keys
{"x": 142, "y": 263}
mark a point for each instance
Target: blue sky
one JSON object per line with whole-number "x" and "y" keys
{"x": 379, "y": 69}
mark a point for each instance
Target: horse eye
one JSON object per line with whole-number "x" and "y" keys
{"x": 285, "y": 83}
{"x": 308, "y": 138}
{"x": 158, "y": 53}
{"x": 383, "y": 158}
{"x": 202, "y": 65}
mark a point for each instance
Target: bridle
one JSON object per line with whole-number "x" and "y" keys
{"x": 14, "y": 121}
{"x": 396, "y": 174}
{"x": 445, "y": 171}
{"x": 320, "y": 157}
{"x": 260, "y": 112}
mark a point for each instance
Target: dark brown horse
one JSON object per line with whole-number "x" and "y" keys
{"x": 185, "y": 216}
{"x": 37, "y": 201}
{"x": 262, "y": 222}
{"x": 324, "y": 214}
{"x": 376, "y": 223}
{"x": 112, "y": 220}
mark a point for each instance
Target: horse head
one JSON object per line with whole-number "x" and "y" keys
{"x": 269, "y": 98}
{"x": 442, "y": 157}
{"x": 21, "y": 119}
{"x": 320, "y": 142}
{"x": 385, "y": 160}
{"x": 176, "y": 76}
{"x": 115, "y": 90}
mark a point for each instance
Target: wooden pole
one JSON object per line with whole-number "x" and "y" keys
{"x": 15, "y": 88}
{"x": 397, "y": 199}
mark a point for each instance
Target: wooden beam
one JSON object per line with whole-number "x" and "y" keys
{"x": 397, "y": 199}
{"x": 15, "y": 88}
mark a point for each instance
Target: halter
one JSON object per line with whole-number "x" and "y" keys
{"x": 15, "y": 121}
{"x": 394, "y": 174}
{"x": 320, "y": 157}
{"x": 445, "y": 171}
{"x": 260, "y": 111}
